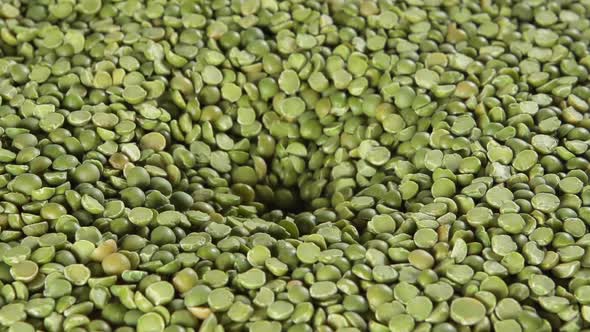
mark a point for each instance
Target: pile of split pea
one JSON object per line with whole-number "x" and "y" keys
{"x": 298, "y": 166}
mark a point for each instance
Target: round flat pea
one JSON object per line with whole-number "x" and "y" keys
{"x": 405, "y": 291}
{"x": 393, "y": 123}
{"x": 115, "y": 263}
{"x": 402, "y": 323}
{"x": 231, "y": 92}
{"x": 323, "y": 290}
{"x": 545, "y": 17}
{"x": 134, "y": 94}
{"x": 150, "y": 322}
{"x": 289, "y": 81}
{"x": 426, "y": 78}
{"x": 280, "y": 310}
{"x": 318, "y": 82}
{"x": 571, "y": 185}
{"x": 497, "y": 195}
{"x": 140, "y": 216}
{"x": 258, "y": 255}
{"x": 246, "y": 115}
{"x": 421, "y": 259}
{"x": 443, "y": 188}
{"x": 161, "y": 292}
{"x": 154, "y": 141}
{"x": 16, "y": 254}
{"x": 582, "y": 294}
{"x": 252, "y": 279}
{"x": 308, "y": 252}
{"x": 240, "y": 312}
{"x": 291, "y": 107}
{"x": 212, "y": 75}
{"x": 26, "y": 183}
{"x": 545, "y": 202}
{"x": 439, "y": 291}
{"x": 541, "y": 285}
{"x": 479, "y": 216}
{"x": 21, "y": 327}
{"x": 220, "y": 161}
{"x": 24, "y": 271}
{"x": 379, "y": 155}
{"x": 382, "y": 224}
{"x": 467, "y": 311}
{"x": 545, "y": 144}
{"x": 220, "y": 299}
{"x": 503, "y": 244}
{"x": 512, "y": 223}
{"x": 77, "y": 274}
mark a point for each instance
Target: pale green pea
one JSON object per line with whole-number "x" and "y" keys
{"x": 382, "y": 224}
{"x": 553, "y": 304}
{"x": 231, "y": 92}
{"x": 134, "y": 94}
{"x": 378, "y": 156}
{"x": 545, "y": 202}
{"x": 141, "y": 216}
{"x": 541, "y": 285}
{"x": 91, "y": 205}
{"x": 77, "y": 274}
{"x": 289, "y": 81}
{"x": 545, "y": 18}
{"x": 276, "y": 267}
{"x": 220, "y": 299}
{"x": 341, "y": 79}
{"x": 291, "y": 107}
{"x": 507, "y": 308}
{"x": 496, "y": 196}
{"x": 150, "y": 322}
{"x": 24, "y": 271}
{"x": 161, "y": 292}
{"x": 443, "y": 188}
{"x": 393, "y": 123}
{"x": 280, "y": 310}
{"x": 252, "y": 279}
{"x": 419, "y": 308}
{"x": 426, "y": 78}
{"x": 467, "y": 311}
{"x": 545, "y": 144}
{"x": 402, "y": 323}
{"x": 524, "y": 160}
{"x": 318, "y": 82}
{"x": 507, "y": 325}
{"x": 512, "y": 223}
{"x": 404, "y": 292}
{"x": 503, "y": 244}
{"x": 220, "y": 161}
{"x": 246, "y": 115}
{"x": 460, "y": 273}
{"x": 571, "y": 185}
{"x": 258, "y": 255}
{"x": 15, "y": 255}
{"x": 240, "y": 312}
{"x": 438, "y": 291}
{"x": 212, "y": 75}
{"x": 421, "y": 259}
{"x": 323, "y": 290}
{"x": 479, "y": 216}
{"x": 308, "y": 252}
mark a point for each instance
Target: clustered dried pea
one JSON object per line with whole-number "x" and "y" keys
{"x": 266, "y": 165}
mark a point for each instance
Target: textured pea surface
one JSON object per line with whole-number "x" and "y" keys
{"x": 272, "y": 165}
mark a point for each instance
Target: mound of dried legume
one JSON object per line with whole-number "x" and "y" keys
{"x": 302, "y": 165}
